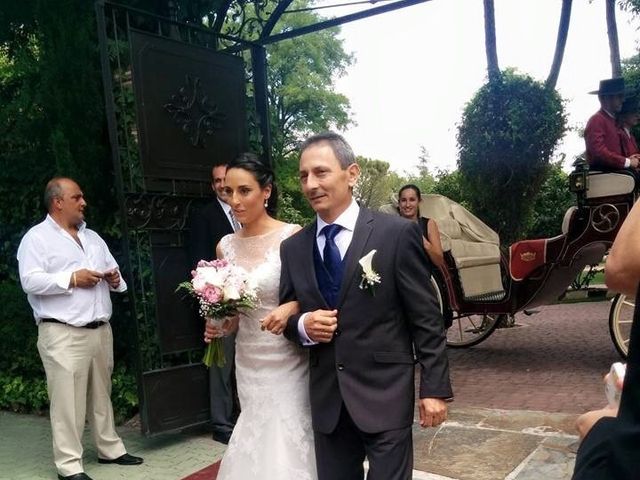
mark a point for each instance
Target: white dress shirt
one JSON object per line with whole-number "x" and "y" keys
{"x": 226, "y": 208}
{"x": 47, "y": 257}
{"x": 347, "y": 220}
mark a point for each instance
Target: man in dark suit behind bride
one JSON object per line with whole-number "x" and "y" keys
{"x": 367, "y": 311}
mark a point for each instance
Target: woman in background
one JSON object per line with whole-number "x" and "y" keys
{"x": 408, "y": 206}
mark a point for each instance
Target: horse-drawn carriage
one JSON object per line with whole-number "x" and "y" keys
{"x": 484, "y": 284}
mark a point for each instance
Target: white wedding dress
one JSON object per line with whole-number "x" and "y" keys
{"x": 272, "y": 439}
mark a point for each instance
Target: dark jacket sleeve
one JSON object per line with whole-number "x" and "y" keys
{"x": 287, "y": 293}
{"x": 412, "y": 268}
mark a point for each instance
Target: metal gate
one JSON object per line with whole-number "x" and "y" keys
{"x": 175, "y": 107}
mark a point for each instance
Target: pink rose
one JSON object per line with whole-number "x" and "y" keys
{"x": 212, "y": 294}
{"x": 219, "y": 264}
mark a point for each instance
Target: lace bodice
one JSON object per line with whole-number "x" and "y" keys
{"x": 260, "y": 256}
{"x": 273, "y": 437}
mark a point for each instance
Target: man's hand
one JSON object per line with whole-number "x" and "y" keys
{"x": 113, "y": 278}
{"x": 634, "y": 160}
{"x": 276, "y": 320}
{"x": 321, "y": 324}
{"x": 86, "y": 278}
{"x": 433, "y": 411}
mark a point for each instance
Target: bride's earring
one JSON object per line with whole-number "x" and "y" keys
{"x": 266, "y": 202}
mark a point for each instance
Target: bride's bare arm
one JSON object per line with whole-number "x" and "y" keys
{"x": 276, "y": 320}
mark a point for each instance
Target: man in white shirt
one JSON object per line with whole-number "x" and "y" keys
{"x": 206, "y": 227}
{"x": 68, "y": 272}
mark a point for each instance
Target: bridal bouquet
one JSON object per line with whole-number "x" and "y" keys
{"x": 221, "y": 289}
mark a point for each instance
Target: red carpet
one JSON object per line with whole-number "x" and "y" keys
{"x": 207, "y": 473}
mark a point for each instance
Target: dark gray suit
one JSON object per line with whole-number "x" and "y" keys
{"x": 365, "y": 376}
{"x": 207, "y": 226}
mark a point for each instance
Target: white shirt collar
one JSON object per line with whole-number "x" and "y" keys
{"x": 225, "y": 206}
{"x": 346, "y": 219}
{"x": 49, "y": 219}
{"x": 608, "y": 113}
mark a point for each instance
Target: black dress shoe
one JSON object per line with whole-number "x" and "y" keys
{"x": 125, "y": 459}
{"x": 75, "y": 476}
{"x": 222, "y": 437}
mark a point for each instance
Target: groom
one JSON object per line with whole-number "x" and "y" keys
{"x": 363, "y": 336}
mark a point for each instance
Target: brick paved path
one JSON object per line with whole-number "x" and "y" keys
{"x": 553, "y": 362}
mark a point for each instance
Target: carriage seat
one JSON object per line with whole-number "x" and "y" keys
{"x": 475, "y": 250}
{"x": 526, "y": 256}
{"x": 472, "y": 244}
{"x": 607, "y": 184}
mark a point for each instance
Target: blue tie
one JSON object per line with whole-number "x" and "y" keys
{"x": 331, "y": 253}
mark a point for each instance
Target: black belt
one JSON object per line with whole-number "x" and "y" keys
{"x": 91, "y": 325}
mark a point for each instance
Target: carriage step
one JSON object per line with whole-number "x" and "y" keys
{"x": 487, "y": 297}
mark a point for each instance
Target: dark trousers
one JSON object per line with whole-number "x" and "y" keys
{"x": 340, "y": 454}
{"x": 222, "y": 390}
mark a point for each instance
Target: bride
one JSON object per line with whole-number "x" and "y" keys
{"x": 272, "y": 438}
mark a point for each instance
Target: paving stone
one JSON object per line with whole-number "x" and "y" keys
{"x": 533, "y": 422}
{"x": 468, "y": 453}
{"x": 547, "y": 463}
{"x": 516, "y": 398}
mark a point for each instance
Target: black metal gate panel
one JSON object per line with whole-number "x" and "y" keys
{"x": 175, "y": 107}
{"x": 189, "y": 100}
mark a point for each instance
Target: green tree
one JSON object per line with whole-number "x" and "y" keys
{"x": 302, "y": 98}
{"x": 508, "y": 132}
{"x": 631, "y": 74}
{"x": 51, "y": 123}
{"x": 550, "y": 204}
{"x": 301, "y": 77}
{"x": 376, "y": 184}
{"x": 449, "y": 184}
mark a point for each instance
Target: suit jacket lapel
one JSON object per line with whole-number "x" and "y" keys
{"x": 361, "y": 234}
{"x": 307, "y": 264}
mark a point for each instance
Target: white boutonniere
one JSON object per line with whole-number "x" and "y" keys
{"x": 369, "y": 276}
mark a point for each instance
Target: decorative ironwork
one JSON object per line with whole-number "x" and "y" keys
{"x": 157, "y": 212}
{"x": 191, "y": 111}
{"x": 247, "y": 18}
{"x": 605, "y": 218}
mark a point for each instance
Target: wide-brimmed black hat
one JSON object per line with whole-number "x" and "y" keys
{"x": 611, "y": 86}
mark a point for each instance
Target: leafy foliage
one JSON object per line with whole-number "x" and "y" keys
{"x": 450, "y": 185}
{"x": 376, "y": 184}
{"x": 509, "y": 131}
{"x": 301, "y": 77}
{"x": 550, "y": 204}
{"x": 51, "y": 123}
{"x": 631, "y": 74}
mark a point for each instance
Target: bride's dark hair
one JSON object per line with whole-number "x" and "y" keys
{"x": 262, "y": 173}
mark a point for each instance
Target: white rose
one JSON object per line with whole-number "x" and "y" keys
{"x": 230, "y": 292}
{"x": 212, "y": 276}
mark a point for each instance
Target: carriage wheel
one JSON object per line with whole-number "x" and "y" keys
{"x": 467, "y": 330}
{"x": 470, "y": 330}
{"x": 620, "y": 319}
